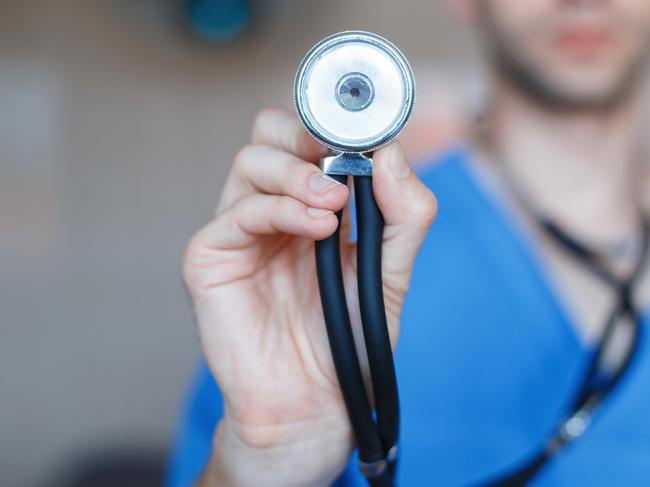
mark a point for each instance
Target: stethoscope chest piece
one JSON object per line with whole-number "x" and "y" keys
{"x": 354, "y": 91}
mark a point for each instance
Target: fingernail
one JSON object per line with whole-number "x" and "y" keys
{"x": 319, "y": 183}
{"x": 317, "y": 212}
{"x": 398, "y": 163}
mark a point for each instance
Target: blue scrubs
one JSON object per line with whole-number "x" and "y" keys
{"x": 487, "y": 363}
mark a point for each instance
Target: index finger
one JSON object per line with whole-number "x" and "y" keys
{"x": 281, "y": 129}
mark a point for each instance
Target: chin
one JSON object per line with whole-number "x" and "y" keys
{"x": 570, "y": 84}
{"x": 589, "y": 88}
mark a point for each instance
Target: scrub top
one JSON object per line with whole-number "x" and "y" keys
{"x": 487, "y": 363}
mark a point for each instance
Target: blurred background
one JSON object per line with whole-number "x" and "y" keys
{"x": 118, "y": 122}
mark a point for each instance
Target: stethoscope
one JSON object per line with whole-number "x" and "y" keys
{"x": 354, "y": 92}
{"x": 597, "y": 383}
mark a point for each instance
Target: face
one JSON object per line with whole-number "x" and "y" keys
{"x": 582, "y": 53}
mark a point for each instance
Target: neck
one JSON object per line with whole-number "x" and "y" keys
{"x": 579, "y": 169}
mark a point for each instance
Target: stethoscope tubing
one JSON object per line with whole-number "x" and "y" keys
{"x": 588, "y": 398}
{"x": 370, "y": 229}
{"x": 376, "y": 440}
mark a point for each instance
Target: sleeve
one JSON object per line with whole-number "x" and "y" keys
{"x": 192, "y": 443}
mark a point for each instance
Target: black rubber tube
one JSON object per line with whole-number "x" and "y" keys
{"x": 341, "y": 340}
{"x": 383, "y": 480}
{"x": 587, "y": 396}
{"x": 522, "y": 475}
{"x": 370, "y": 228}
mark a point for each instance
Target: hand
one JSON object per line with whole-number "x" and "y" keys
{"x": 252, "y": 278}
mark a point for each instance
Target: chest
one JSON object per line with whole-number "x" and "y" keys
{"x": 487, "y": 370}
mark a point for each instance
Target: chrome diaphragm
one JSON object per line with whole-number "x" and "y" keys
{"x": 354, "y": 91}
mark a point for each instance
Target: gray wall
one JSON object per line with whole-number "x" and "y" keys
{"x": 116, "y": 132}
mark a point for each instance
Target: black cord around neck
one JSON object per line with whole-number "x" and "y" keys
{"x": 589, "y": 394}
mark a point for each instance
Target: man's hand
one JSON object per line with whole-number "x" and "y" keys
{"x": 251, "y": 275}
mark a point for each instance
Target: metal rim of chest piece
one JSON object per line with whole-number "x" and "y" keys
{"x": 354, "y": 92}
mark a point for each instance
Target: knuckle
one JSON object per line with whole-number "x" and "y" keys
{"x": 245, "y": 154}
{"x": 276, "y": 214}
{"x": 426, "y": 208}
{"x": 200, "y": 266}
{"x": 302, "y": 173}
{"x": 278, "y": 207}
{"x": 396, "y": 286}
{"x": 295, "y": 176}
{"x": 190, "y": 267}
{"x": 264, "y": 119}
{"x": 304, "y": 142}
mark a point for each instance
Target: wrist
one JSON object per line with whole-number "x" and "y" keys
{"x": 315, "y": 458}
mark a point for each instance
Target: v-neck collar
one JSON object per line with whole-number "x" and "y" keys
{"x": 498, "y": 212}
{"x": 519, "y": 237}
{"x": 501, "y": 205}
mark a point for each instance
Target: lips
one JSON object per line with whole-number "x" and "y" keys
{"x": 584, "y": 39}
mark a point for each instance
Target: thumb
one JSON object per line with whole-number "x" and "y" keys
{"x": 409, "y": 208}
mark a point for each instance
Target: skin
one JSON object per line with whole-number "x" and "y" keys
{"x": 565, "y": 78}
{"x": 251, "y": 274}
{"x": 566, "y": 55}
{"x": 563, "y": 131}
